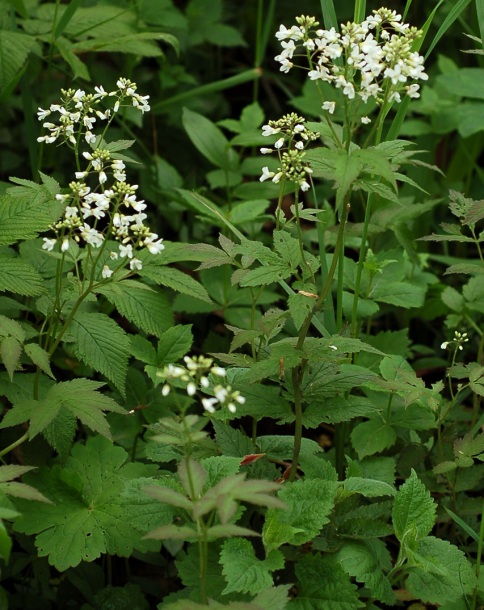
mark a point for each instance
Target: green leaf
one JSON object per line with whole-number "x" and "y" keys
{"x": 146, "y": 308}
{"x": 372, "y": 436}
{"x": 309, "y": 503}
{"x": 262, "y": 276}
{"x": 322, "y": 585}
{"x": 370, "y": 488}
{"x": 363, "y": 560}
{"x": 207, "y": 138}
{"x": 245, "y": 573}
{"x": 14, "y": 49}
{"x": 174, "y": 344}
{"x": 78, "y": 396}
{"x": 27, "y": 214}
{"x": 441, "y": 573}
{"x": 19, "y": 277}
{"x": 10, "y": 351}
{"x": 176, "y": 280}
{"x": 78, "y": 67}
{"x": 102, "y": 344}
{"x": 413, "y": 510}
{"x": 39, "y": 357}
{"x": 98, "y": 507}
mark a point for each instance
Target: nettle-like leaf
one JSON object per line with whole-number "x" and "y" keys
{"x": 243, "y": 571}
{"x": 323, "y": 585}
{"x": 9, "y": 487}
{"x": 79, "y": 396}
{"x": 98, "y": 506}
{"x": 413, "y": 512}
{"x": 14, "y": 49}
{"x": 309, "y": 503}
{"x": 19, "y": 277}
{"x": 365, "y": 560}
{"x": 148, "y": 309}
{"x": 176, "y": 280}
{"x": 102, "y": 344}
{"x": 372, "y": 436}
{"x": 441, "y": 572}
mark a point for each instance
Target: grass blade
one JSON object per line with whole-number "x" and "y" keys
{"x": 480, "y": 18}
{"x": 360, "y": 11}
{"x": 329, "y": 15}
{"x": 463, "y": 525}
{"x": 454, "y": 13}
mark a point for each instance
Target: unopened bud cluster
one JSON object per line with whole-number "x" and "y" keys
{"x": 195, "y": 378}
{"x": 292, "y": 139}
{"x": 459, "y": 339}
{"x": 371, "y": 59}
{"x": 100, "y": 203}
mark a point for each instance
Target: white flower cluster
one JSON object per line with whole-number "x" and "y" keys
{"x": 195, "y": 378}
{"x": 372, "y": 59}
{"x": 108, "y": 209}
{"x": 459, "y": 339}
{"x": 293, "y": 138}
{"x": 80, "y": 110}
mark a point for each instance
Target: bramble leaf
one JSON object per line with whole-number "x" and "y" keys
{"x": 19, "y": 277}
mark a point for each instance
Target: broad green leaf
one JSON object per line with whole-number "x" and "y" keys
{"x": 248, "y": 211}
{"x": 139, "y": 43}
{"x": 300, "y": 306}
{"x": 207, "y": 138}
{"x": 372, "y": 436}
{"x": 413, "y": 510}
{"x": 370, "y": 488}
{"x": 309, "y": 503}
{"x": 79, "y": 396}
{"x": 287, "y": 248}
{"x": 19, "y": 277}
{"x": 101, "y": 344}
{"x": 218, "y": 467}
{"x": 176, "y": 280}
{"x": 323, "y": 585}
{"x": 146, "y": 308}
{"x": 14, "y": 49}
{"x": 441, "y": 573}
{"x": 231, "y": 441}
{"x": 78, "y": 67}
{"x": 174, "y": 344}
{"x": 363, "y": 560}
{"x": 243, "y": 571}
{"x": 336, "y": 410}
{"x": 25, "y": 216}
{"x": 262, "y": 276}
{"x": 401, "y": 294}
{"x": 98, "y": 507}
{"x": 188, "y": 566}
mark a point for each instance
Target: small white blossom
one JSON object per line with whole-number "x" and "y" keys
{"x": 135, "y": 264}
{"x": 329, "y": 106}
{"x": 106, "y": 272}
{"x": 266, "y": 174}
{"x": 48, "y": 244}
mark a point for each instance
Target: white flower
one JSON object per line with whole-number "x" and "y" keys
{"x": 279, "y": 143}
{"x": 154, "y": 247}
{"x": 165, "y": 390}
{"x": 329, "y": 106}
{"x": 209, "y": 404}
{"x": 106, "y": 272}
{"x": 41, "y": 114}
{"x": 92, "y": 236}
{"x": 116, "y": 106}
{"x": 126, "y": 251}
{"x": 80, "y": 175}
{"x": 444, "y": 345}
{"x": 365, "y": 120}
{"x": 89, "y": 122}
{"x": 266, "y": 174}
{"x": 304, "y": 186}
{"x": 276, "y": 178}
{"x": 191, "y": 388}
{"x": 231, "y": 407}
{"x": 102, "y": 177}
{"x": 90, "y": 137}
{"x": 267, "y": 130}
{"x": 266, "y": 151}
{"x": 218, "y": 370}
{"x": 299, "y": 145}
{"x": 65, "y": 244}
{"x": 49, "y": 244}
{"x": 99, "y": 92}
{"x": 135, "y": 263}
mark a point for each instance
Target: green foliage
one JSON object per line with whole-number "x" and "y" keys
{"x": 331, "y": 263}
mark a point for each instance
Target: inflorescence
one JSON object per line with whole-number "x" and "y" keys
{"x": 371, "y": 59}
{"x": 195, "y": 377}
{"x": 109, "y": 207}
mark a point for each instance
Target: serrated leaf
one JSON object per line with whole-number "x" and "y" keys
{"x": 19, "y": 277}
{"x": 322, "y": 585}
{"x": 309, "y": 503}
{"x": 300, "y": 307}
{"x": 98, "y": 507}
{"x": 262, "y": 276}
{"x": 370, "y": 488}
{"x": 101, "y": 344}
{"x": 413, "y": 510}
{"x": 10, "y": 351}
{"x": 442, "y": 574}
{"x": 14, "y": 49}
{"x": 372, "y": 436}
{"x": 245, "y": 573}
{"x": 363, "y": 560}
{"x": 174, "y": 344}
{"x": 176, "y": 280}
{"x": 146, "y": 308}
{"x": 39, "y": 357}
{"x": 79, "y": 396}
